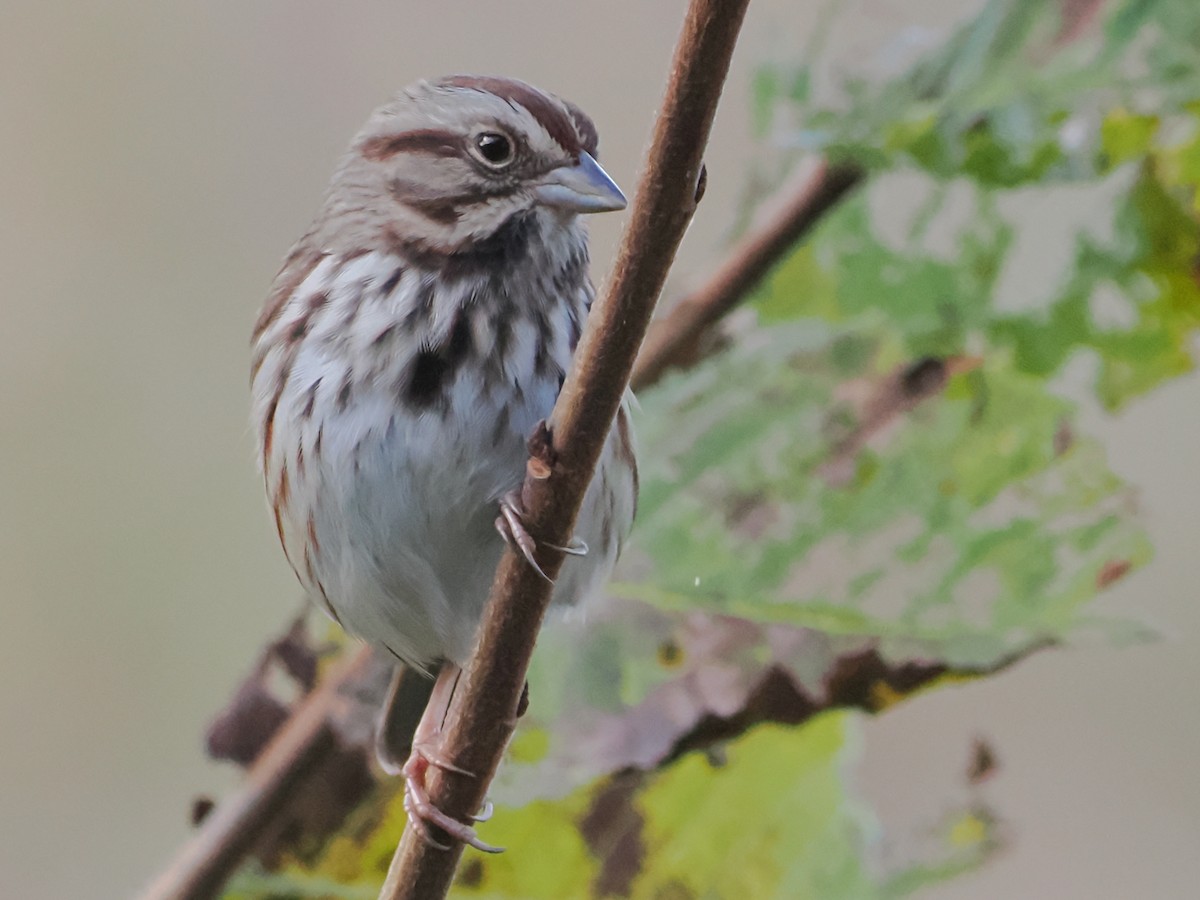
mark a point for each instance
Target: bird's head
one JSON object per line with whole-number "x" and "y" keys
{"x": 448, "y": 164}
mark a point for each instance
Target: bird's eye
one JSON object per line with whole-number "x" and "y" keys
{"x": 494, "y": 149}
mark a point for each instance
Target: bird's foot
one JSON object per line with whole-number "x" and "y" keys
{"x": 511, "y": 525}
{"x": 423, "y": 814}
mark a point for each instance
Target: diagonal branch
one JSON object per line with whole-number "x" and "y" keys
{"x": 564, "y": 455}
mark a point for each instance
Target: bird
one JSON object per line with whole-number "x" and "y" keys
{"x": 413, "y": 339}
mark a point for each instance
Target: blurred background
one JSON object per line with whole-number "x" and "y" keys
{"x": 159, "y": 159}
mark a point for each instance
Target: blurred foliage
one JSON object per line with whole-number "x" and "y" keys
{"x": 878, "y": 487}
{"x": 653, "y": 835}
{"x": 1026, "y": 95}
{"x": 796, "y": 490}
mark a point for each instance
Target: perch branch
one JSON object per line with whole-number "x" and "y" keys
{"x": 564, "y": 455}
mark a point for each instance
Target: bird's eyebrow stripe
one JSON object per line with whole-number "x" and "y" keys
{"x": 548, "y": 113}
{"x": 433, "y": 141}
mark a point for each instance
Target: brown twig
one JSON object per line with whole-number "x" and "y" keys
{"x": 297, "y": 749}
{"x": 776, "y": 229}
{"x": 563, "y": 457}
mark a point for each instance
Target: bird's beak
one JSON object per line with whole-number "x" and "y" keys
{"x": 581, "y": 188}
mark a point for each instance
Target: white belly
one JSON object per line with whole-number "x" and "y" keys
{"x": 408, "y": 504}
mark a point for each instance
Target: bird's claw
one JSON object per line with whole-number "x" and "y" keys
{"x": 513, "y": 530}
{"x": 510, "y": 523}
{"x": 577, "y": 547}
{"x": 485, "y": 812}
{"x": 421, "y": 811}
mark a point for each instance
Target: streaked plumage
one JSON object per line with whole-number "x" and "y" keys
{"x": 411, "y": 342}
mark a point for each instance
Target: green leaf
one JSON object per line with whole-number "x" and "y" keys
{"x": 806, "y": 836}
{"x": 1125, "y": 135}
{"x": 794, "y": 493}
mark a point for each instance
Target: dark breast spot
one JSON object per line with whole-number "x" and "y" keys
{"x": 434, "y": 369}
